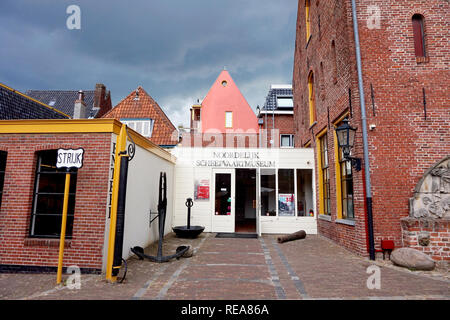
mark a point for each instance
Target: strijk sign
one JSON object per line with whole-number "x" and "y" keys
{"x": 70, "y": 158}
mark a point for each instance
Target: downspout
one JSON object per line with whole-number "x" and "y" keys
{"x": 364, "y": 132}
{"x": 273, "y": 127}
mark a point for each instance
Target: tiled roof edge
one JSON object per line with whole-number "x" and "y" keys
{"x": 34, "y": 100}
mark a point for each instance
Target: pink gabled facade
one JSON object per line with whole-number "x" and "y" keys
{"x": 224, "y": 96}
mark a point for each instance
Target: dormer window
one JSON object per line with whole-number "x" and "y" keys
{"x": 142, "y": 126}
{"x": 285, "y": 102}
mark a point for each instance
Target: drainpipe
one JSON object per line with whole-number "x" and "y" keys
{"x": 364, "y": 131}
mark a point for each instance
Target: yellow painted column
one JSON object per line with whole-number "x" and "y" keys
{"x": 307, "y": 19}
{"x": 320, "y": 175}
{"x": 120, "y": 146}
{"x": 63, "y": 229}
{"x": 338, "y": 177}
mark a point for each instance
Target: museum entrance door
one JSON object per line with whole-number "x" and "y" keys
{"x": 224, "y": 200}
{"x": 246, "y": 201}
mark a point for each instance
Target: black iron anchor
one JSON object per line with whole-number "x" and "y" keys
{"x": 188, "y": 231}
{"x": 162, "y": 207}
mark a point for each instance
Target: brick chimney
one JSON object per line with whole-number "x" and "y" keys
{"x": 196, "y": 122}
{"x": 102, "y": 99}
{"x": 79, "y": 111}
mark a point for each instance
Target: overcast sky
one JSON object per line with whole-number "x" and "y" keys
{"x": 175, "y": 49}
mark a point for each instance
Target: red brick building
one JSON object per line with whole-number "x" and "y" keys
{"x": 32, "y": 190}
{"x": 20, "y": 243}
{"x": 405, "y": 58}
{"x": 276, "y": 117}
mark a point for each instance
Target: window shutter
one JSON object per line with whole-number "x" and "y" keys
{"x": 419, "y": 47}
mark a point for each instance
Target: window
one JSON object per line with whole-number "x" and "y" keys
{"x": 3, "y": 155}
{"x": 419, "y": 35}
{"x": 196, "y": 114}
{"x": 304, "y": 193}
{"x": 48, "y": 197}
{"x": 285, "y": 102}
{"x": 308, "y": 19}
{"x": 286, "y": 196}
{"x": 311, "y": 100}
{"x": 334, "y": 61}
{"x": 268, "y": 192}
{"x": 324, "y": 176}
{"x": 223, "y": 194}
{"x": 287, "y": 140}
{"x": 228, "y": 119}
{"x": 344, "y": 177}
{"x": 142, "y": 126}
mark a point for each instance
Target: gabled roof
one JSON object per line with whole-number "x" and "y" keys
{"x": 64, "y": 100}
{"x": 16, "y": 105}
{"x": 224, "y": 96}
{"x": 143, "y": 108}
{"x": 284, "y": 91}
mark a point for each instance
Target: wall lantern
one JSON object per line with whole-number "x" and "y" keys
{"x": 346, "y": 139}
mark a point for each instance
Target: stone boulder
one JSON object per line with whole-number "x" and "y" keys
{"x": 412, "y": 259}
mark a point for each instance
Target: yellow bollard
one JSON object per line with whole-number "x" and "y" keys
{"x": 63, "y": 229}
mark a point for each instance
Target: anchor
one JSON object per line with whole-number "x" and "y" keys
{"x": 162, "y": 207}
{"x": 188, "y": 231}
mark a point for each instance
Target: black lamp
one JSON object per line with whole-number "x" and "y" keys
{"x": 346, "y": 139}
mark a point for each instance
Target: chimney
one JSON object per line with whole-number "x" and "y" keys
{"x": 102, "y": 100}
{"x": 136, "y": 95}
{"x": 79, "y": 112}
{"x": 196, "y": 111}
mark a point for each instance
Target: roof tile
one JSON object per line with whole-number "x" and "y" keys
{"x": 145, "y": 107}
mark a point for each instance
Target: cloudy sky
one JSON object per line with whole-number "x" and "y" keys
{"x": 175, "y": 49}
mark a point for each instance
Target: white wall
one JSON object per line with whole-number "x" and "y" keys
{"x": 142, "y": 196}
{"x": 201, "y": 214}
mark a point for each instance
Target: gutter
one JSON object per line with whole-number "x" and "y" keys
{"x": 364, "y": 132}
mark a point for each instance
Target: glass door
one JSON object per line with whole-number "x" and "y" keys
{"x": 223, "y": 204}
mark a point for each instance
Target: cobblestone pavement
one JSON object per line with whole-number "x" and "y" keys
{"x": 242, "y": 269}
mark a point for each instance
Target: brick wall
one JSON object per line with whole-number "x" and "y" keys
{"x": 85, "y": 247}
{"x": 403, "y": 144}
{"x": 430, "y": 236}
{"x": 102, "y": 99}
{"x": 284, "y": 123}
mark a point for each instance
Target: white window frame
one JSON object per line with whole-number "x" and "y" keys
{"x": 281, "y": 98}
{"x": 132, "y": 123}
{"x": 291, "y": 141}
{"x": 228, "y": 121}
